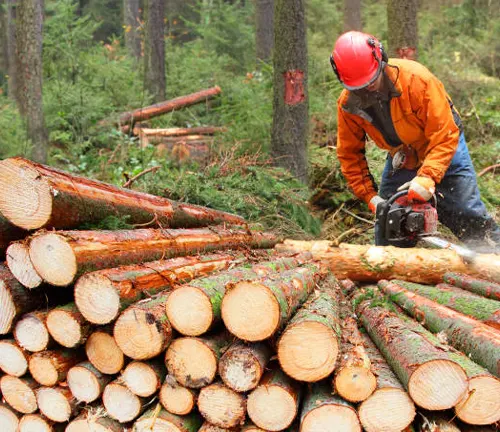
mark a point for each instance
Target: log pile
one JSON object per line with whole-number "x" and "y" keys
{"x": 195, "y": 329}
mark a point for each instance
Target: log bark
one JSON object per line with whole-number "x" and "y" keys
{"x": 241, "y": 367}
{"x": 479, "y": 341}
{"x": 57, "y": 403}
{"x": 143, "y": 331}
{"x": 68, "y": 326}
{"x": 38, "y": 196}
{"x": 182, "y": 151}
{"x": 94, "y": 419}
{"x": 86, "y": 382}
{"x": 13, "y": 359}
{"x": 101, "y": 295}
{"x": 309, "y": 346}
{"x": 162, "y": 420}
{"x": 9, "y": 420}
{"x": 51, "y": 367}
{"x": 373, "y": 412}
{"x": 485, "y": 310}
{"x": 103, "y": 352}
{"x": 8, "y": 234}
{"x": 31, "y": 332}
{"x": 222, "y": 406}
{"x": 354, "y": 379}
{"x": 434, "y": 379}
{"x": 177, "y": 399}
{"x": 179, "y": 132}
{"x": 372, "y": 263}
{"x": 19, "y": 263}
{"x": 19, "y": 393}
{"x": 321, "y": 410}
{"x": 193, "y": 361}
{"x": 144, "y": 378}
{"x": 481, "y": 287}
{"x": 255, "y": 310}
{"x": 61, "y": 257}
{"x": 274, "y": 404}
{"x": 194, "y": 308}
{"x": 120, "y": 403}
{"x": 187, "y": 139}
{"x": 15, "y": 300}
{"x": 158, "y": 109}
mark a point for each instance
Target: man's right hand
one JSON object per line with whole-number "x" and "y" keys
{"x": 374, "y": 202}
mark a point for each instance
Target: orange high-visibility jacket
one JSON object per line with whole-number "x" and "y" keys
{"x": 422, "y": 118}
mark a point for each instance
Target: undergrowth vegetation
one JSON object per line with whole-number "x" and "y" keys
{"x": 89, "y": 77}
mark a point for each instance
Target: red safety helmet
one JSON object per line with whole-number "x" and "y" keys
{"x": 357, "y": 59}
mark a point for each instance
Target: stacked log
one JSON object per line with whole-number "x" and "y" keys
{"x": 481, "y": 287}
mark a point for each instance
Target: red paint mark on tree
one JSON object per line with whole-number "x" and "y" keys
{"x": 294, "y": 87}
{"x": 409, "y": 53}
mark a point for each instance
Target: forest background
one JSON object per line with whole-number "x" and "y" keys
{"x": 89, "y": 75}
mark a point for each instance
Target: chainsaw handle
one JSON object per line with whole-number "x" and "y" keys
{"x": 402, "y": 193}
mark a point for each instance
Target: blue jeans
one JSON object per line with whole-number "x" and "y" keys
{"x": 459, "y": 204}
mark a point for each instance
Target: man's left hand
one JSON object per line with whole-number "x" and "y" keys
{"x": 420, "y": 189}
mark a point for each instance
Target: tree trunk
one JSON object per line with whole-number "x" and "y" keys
{"x": 19, "y": 263}
{"x": 290, "y": 107}
{"x": 481, "y": 287}
{"x": 144, "y": 378}
{"x": 177, "y": 399}
{"x": 185, "y": 355}
{"x": 29, "y": 49}
{"x": 354, "y": 379}
{"x": 154, "y": 49}
{"x": 167, "y": 421}
{"x": 120, "y": 403}
{"x": 31, "y": 332}
{"x": 204, "y": 296}
{"x": 51, "y": 367}
{"x": 178, "y": 132}
{"x": 264, "y": 29}
{"x": 103, "y": 352}
{"x": 62, "y": 256}
{"x": 256, "y": 310}
{"x": 37, "y": 196}
{"x": 479, "y": 341}
{"x": 222, "y": 406}
{"x": 8, "y": 233}
{"x": 366, "y": 263}
{"x": 13, "y": 359}
{"x": 433, "y": 378}
{"x": 19, "y": 393}
{"x": 373, "y": 412}
{"x": 93, "y": 420}
{"x": 86, "y": 382}
{"x": 8, "y": 418}
{"x": 352, "y": 15}
{"x": 132, "y": 24}
{"x": 274, "y": 404}
{"x": 143, "y": 331}
{"x": 309, "y": 346}
{"x": 13, "y": 61}
{"x": 68, "y": 326}
{"x": 403, "y": 28}
{"x": 15, "y": 300}
{"x": 241, "y": 367}
{"x": 485, "y": 310}
{"x": 57, "y": 403}
{"x": 321, "y": 409}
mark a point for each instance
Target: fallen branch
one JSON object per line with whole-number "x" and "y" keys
{"x": 131, "y": 180}
{"x": 488, "y": 169}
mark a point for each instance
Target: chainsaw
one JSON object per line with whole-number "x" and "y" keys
{"x": 402, "y": 221}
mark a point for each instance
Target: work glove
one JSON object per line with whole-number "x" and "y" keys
{"x": 374, "y": 202}
{"x": 420, "y": 189}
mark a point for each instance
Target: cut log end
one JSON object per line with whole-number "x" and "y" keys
{"x": 177, "y": 399}
{"x": 189, "y": 310}
{"x": 96, "y": 298}
{"x": 34, "y": 423}
{"x": 26, "y": 199}
{"x": 141, "y": 379}
{"x": 19, "y": 263}
{"x": 437, "y": 384}
{"x": 43, "y": 370}
{"x": 31, "y": 333}
{"x": 12, "y": 359}
{"x": 250, "y": 311}
{"x": 7, "y": 308}
{"x": 103, "y": 352}
{"x": 84, "y": 384}
{"x": 120, "y": 403}
{"x": 19, "y": 394}
{"x": 207, "y": 427}
{"x": 388, "y": 409}
{"x": 56, "y": 404}
{"x": 355, "y": 383}
{"x": 221, "y": 406}
{"x": 272, "y": 407}
{"x": 308, "y": 351}
{"x": 481, "y": 404}
{"x": 64, "y": 328}
{"x": 8, "y": 419}
{"x": 192, "y": 363}
{"x": 241, "y": 371}
{"x": 331, "y": 418}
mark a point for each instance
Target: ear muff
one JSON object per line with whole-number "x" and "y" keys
{"x": 334, "y": 67}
